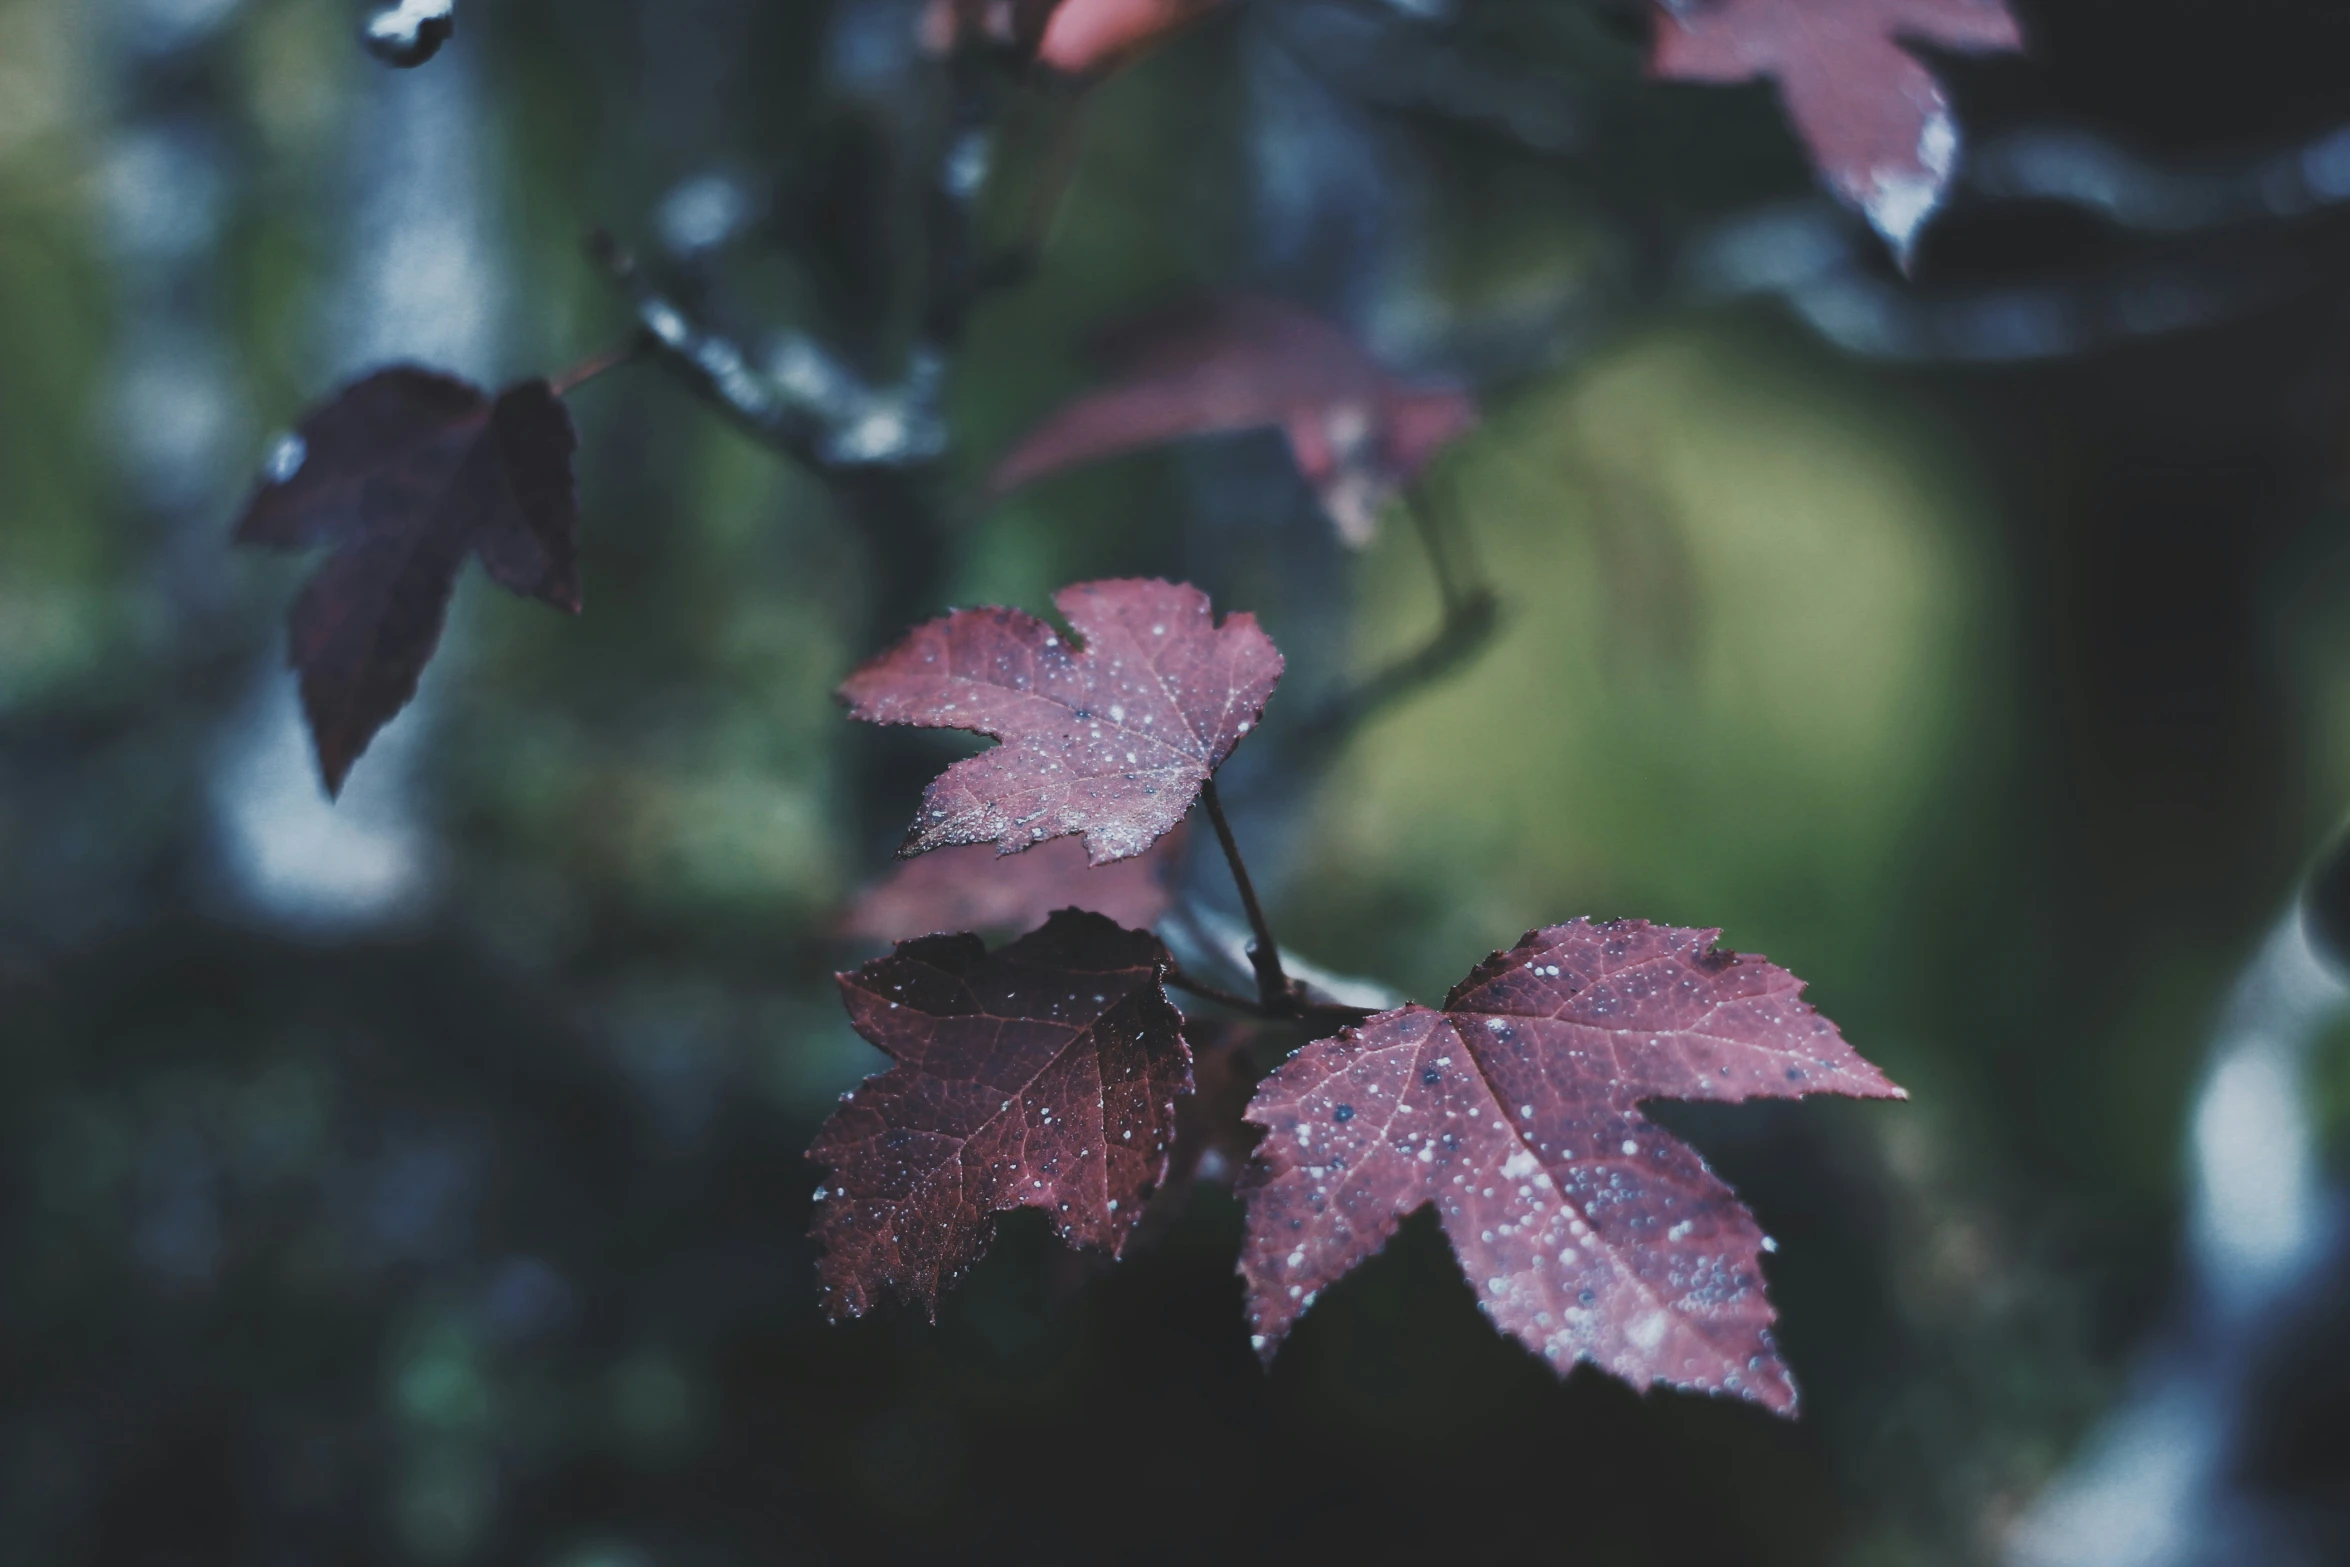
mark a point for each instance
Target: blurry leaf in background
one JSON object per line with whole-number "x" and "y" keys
{"x": 1242, "y": 363}
{"x": 405, "y": 473}
{"x": 971, "y": 887}
{"x": 1875, "y": 119}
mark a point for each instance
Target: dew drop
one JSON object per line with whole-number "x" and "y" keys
{"x": 286, "y": 458}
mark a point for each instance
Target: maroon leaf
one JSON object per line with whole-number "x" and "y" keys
{"x": 1874, "y": 118}
{"x": 1111, "y": 737}
{"x": 1043, "y": 1075}
{"x": 405, "y": 474}
{"x": 1586, "y": 1230}
{"x": 971, "y": 887}
{"x": 1244, "y": 363}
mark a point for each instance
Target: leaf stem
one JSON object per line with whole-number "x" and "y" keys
{"x": 1274, "y": 991}
{"x": 1426, "y": 524}
{"x": 1181, "y": 980}
{"x": 1471, "y": 612}
{"x": 564, "y": 382}
{"x": 1295, "y": 1009}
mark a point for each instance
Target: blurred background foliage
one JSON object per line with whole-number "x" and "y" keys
{"x": 420, "y": 1182}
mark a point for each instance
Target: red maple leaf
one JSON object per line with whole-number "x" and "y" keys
{"x": 1111, "y": 736}
{"x": 405, "y": 473}
{"x": 1586, "y": 1230}
{"x": 1043, "y": 1075}
{"x": 1875, "y": 119}
{"x": 1247, "y": 363}
{"x": 971, "y": 887}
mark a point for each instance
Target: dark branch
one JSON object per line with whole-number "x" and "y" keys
{"x": 1275, "y": 993}
{"x": 1314, "y": 1014}
{"x": 796, "y": 398}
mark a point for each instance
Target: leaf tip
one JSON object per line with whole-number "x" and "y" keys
{"x": 334, "y": 771}
{"x": 335, "y": 753}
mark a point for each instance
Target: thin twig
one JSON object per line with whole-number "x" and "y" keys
{"x": 1216, "y": 993}
{"x": 1298, "y": 1010}
{"x": 1426, "y": 524}
{"x": 1471, "y": 613}
{"x": 1273, "y": 987}
{"x": 806, "y": 404}
{"x": 1463, "y": 633}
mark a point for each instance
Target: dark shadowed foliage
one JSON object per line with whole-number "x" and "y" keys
{"x": 1042, "y": 1076}
{"x": 405, "y": 475}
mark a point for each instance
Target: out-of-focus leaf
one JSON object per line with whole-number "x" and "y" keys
{"x": 1043, "y": 1075}
{"x": 1587, "y": 1231}
{"x": 1246, "y": 363}
{"x": 1077, "y": 37}
{"x": 404, "y": 474}
{"x": 1875, "y": 119}
{"x": 971, "y": 887}
{"x": 1111, "y": 736}
{"x": 1085, "y": 36}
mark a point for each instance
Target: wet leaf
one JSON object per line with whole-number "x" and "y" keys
{"x": 1043, "y": 1075}
{"x": 1874, "y": 118}
{"x": 1110, "y": 735}
{"x": 1247, "y": 363}
{"x": 403, "y": 475}
{"x": 1587, "y": 1232}
{"x": 971, "y": 887}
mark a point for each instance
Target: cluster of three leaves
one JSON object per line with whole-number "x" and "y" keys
{"x": 1046, "y": 1074}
